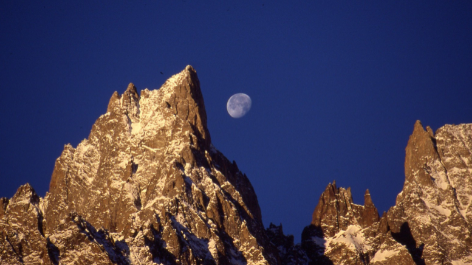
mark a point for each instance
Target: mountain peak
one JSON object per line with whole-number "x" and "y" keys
{"x": 367, "y": 198}
{"x": 147, "y": 186}
{"x": 147, "y": 177}
{"x": 420, "y": 148}
{"x": 132, "y": 88}
{"x": 26, "y": 192}
{"x": 336, "y": 211}
{"x": 182, "y": 95}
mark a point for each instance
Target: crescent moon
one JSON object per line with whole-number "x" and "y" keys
{"x": 238, "y": 105}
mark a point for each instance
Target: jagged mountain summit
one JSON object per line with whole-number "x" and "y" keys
{"x": 148, "y": 187}
{"x": 431, "y": 222}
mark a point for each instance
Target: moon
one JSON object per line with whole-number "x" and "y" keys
{"x": 238, "y": 105}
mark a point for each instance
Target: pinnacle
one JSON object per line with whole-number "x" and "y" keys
{"x": 182, "y": 176}
{"x": 25, "y": 191}
{"x": 131, "y": 88}
{"x": 368, "y": 199}
{"x": 190, "y": 68}
{"x": 418, "y": 127}
{"x": 419, "y": 149}
{"x": 430, "y": 131}
{"x": 185, "y": 87}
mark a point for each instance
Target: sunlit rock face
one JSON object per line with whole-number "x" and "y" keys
{"x": 431, "y": 222}
{"x": 341, "y": 231}
{"x": 22, "y": 238}
{"x": 147, "y": 186}
{"x": 432, "y": 214}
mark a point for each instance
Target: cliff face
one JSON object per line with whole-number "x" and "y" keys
{"x": 148, "y": 187}
{"x": 430, "y": 222}
{"x": 340, "y": 231}
{"x": 432, "y": 214}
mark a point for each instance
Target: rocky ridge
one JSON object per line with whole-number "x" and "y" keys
{"x": 148, "y": 187}
{"x": 430, "y": 222}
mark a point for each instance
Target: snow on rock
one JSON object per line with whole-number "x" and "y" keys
{"x": 352, "y": 238}
{"x": 430, "y": 222}
{"x": 382, "y": 255}
{"x": 146, "y": 187}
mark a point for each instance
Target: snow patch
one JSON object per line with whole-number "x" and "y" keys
{"x": 382, "y": 255}
{"x": 136, "y": 127}
{"x": 353, "y": 238}
{"x": 438, "y": 174}
{"x": 212, "y": 249}
{"x": 438, "y": 208}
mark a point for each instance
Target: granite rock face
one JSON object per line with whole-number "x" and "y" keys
{"x": 340, "y": 230}
{"x": 430, "y": 222}
{"x": 432, "y": 214}
{"x": 146, "y": 187}
{"x": 22, "y": 237}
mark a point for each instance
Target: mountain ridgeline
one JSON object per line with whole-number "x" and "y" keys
{"x": 148, "y": 187}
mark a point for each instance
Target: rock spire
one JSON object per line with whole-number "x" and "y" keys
{"x": 147, "y": 186}
{"x": 430, "y": 222}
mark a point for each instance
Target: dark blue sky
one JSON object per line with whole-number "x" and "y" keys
{"x": 336, "y": 86}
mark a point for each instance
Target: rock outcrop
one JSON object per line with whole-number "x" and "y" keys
{"x": 340, "y": 230}
{"x": 22, "y": 237}
{"x": 430, "y": 222}
{"x": 432, "y": 214}
{"x": 148, "y": 187}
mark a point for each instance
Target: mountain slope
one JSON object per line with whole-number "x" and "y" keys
{"x": 146, "y": 186}
{"x": 430, "y": 222}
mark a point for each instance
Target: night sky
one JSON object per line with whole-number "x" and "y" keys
{"x": 336, "y": 86}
